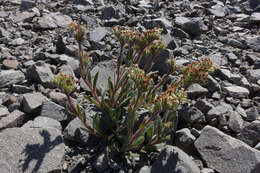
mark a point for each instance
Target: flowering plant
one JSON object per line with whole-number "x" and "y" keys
{"x": 134, "y": 89}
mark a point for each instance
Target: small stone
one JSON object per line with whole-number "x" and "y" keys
{"x": 252, "y": 114}
{"x": 101, "y": 162}
{"x": 184, "y": 140}
{"x": 253, "y": 75}
{"x": 3, "y": 112}
{"x": 250, "y": 134}
{"x": 218, "y": 110}
{"x": 10, "y": 64}
{"x": 32, "y": 102}
{"x": 52, "y": 110}
{"x": 98, "y": 34}
{"x": 191, "y": 115}
{"x": 203, "y": 105}
{"x": 21, "y": 89}
{"x": 195, "y": 90}
{"x": 237, "y": 91}
{"x": 58, "y": 98}
{"x": 14, "y": 119}
{"x": 10, "y": 77}
{"x": 235, "y": 122}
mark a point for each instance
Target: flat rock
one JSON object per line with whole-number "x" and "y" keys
{"x": 31, "y": 150}
{"x": 196, "y": 90}
{"x": 254, "y": 43}
{"x": 32, "y": 102}
{"x": 41, "y": 73}
{"x": 253, "y": 75}
{"x": 10, "y": 77}
{"x": 237, "y": 91}
{"x": 52, "y": 110}
{"x": 250, "y": 134}
{"x": 14, "y": 119}
{"x": 226, "y": 154}
{"x": 43, "y": 122}
{"x": 98, "y": 34}
{"x": 174, "y": 160}
{"x": 3, "y": 111}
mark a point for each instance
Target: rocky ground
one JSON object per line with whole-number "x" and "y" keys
{"x": 218, "y": 132}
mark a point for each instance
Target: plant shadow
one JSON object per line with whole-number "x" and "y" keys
{"x": 37, "y": 152}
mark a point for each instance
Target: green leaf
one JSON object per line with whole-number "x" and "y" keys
{"x": 86, "y": 130}
{"x": 138, "y": 141}
{"x": 89, "y": 78}
{"x": 111, "y": 87}
{"x": 149, "y": 133}
{"x": 95, "y": 80}
{"x": 159, "y": 125}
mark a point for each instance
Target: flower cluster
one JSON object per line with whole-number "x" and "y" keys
{"x": 155, "y": 48}
{"x": 79, "y": 31}
{"x": 141, "y": 79}
{"x": 65, "y": 82}
{"x": 197, "y": 71}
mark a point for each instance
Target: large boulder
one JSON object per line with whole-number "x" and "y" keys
{"x": 30, "y": 150}
{"x": 226, "y": 154}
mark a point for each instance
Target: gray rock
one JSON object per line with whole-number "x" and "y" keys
{"x": 195, "y": 90}
{"x": 177, "y": 32}
{"x": 226, "y": 154}
{"x": 21, "y": 89}
{"x": 252, "y": 114}
{"x": 98, "y": 34}
{"x": 101, "y": 163}
{"x": 18, "y": 42}
{"x": 106, "y": 69}
{"x": 218, "y": 10}
{"x": 83, "y": 2}
{"x": 257, "y": 146}
{"x": 51, "y": 21}
{"x": 255, "y": 18}
{"x": 174, "y": 160}
{"x": 3, "y": 111}
{"x": 220, "y": 109}
{"x": 235, "y": 122}
{"x": 26, "y": 5}
{"x": 43, "y": 122}
{"x": 32, "y": 102}
{"x": 14, "y": 119}
{"x": 52, "y": 110}
{"x": 203, "y": 105}
{"x": 108, "y": 13}
{"x": 194, "y": 27}
{"x": 41, "y": 73}
{"x": 74, "y": 132}
{"x": 67, "y": 69}
{"x": 254, "y": 43}
{"x": 250, "y": 134}
{"x": 25, "y": 16}
{"x": 253, "y": 75}
{"x": 207, "y": 170}
{"x": 73, "y": 62}
{"x": 191, "y": 115}
{"x": 10, "y": 77}
{"x": 58, "y": 97}
{"x": 237, "y": 91}
{"x": 184, "y": 140}
{"x": 32, "y": 150}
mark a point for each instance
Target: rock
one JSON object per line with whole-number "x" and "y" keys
{"x": 252, "y": 114}
{"x": 26, "y": 5}
{"x": 3, "y": 112}
{"x": 207, "y": 170}
{"x": 195, "y": 90}
{"x": 184, "y": 140}
{"x": 250, "y": 134}
{"x": 43, "y": 122}
{"x": 218, "y": 150}
{"x": 83, "y": 2}
{"x": 40, "y": 72}
{"x": 32, "y": 150}
{"x": 58, "y": 98}
{"x": 52, "y": 110}
{"x": 218, "y": 110}
{"x": 254, "y": 43}
{"x": 73, "y": 131}
{"x": 98, "y": 34}
{"x": 10, "y": 64}
{"x": 14, "y": 119}
{"x": 106, "y": 69}
{"x": 101, "y": 163}
{"x": 253, "y": 75}
{"x": 177, "y": 32}
{"x": 52, "y": 21}
{"x": 194, "y": 27}
{"x": 25, "y": 16}
{"x": 108, "y": 13}
{"x": 32, "y": 102}
{"x": 218, "y": 10}
{"x": 174, "y": 160}
{"x": 10, "y": 77}
{"x": 235, "y": 122}
{"x": 191, "y": 115}
{"x": 255, "y": 18}
{"x": 237, "y": 91}
{"x": 203, "y": 105}
{"x": 73, "y": 62}
{"x": 21, "y": 89}
{"x": 4, "y": 32}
